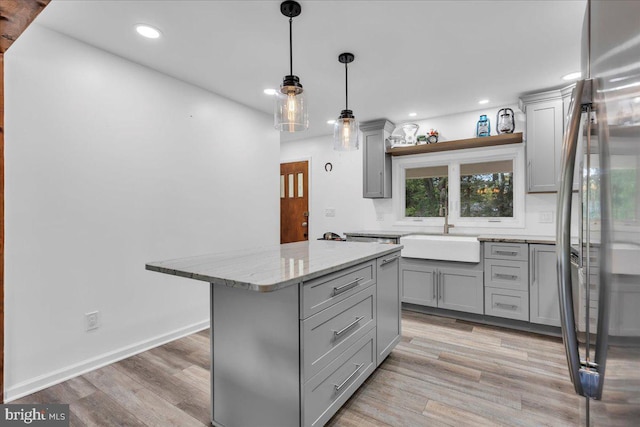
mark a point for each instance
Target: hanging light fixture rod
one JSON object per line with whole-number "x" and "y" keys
{"x": 290, "y": 9}
{"x": 346, "y": 58}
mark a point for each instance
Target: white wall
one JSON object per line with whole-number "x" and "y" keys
{"x": 342, "y": 189}
{"x": 110, "y": 165}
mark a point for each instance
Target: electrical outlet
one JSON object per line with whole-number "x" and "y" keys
{"x": 330, "y": 212}
{"x": 91, "y": 320}
{"x": 379, "y": 217}
{"x": 546, "y": 217}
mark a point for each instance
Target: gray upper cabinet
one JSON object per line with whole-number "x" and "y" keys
{"x": 544, "y": 112}
{"x": 376, "y": 162}
{"x": 544, "y": 301}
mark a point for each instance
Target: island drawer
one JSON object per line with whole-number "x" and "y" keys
{"x": 327, "y": 391}
{"x": 320, "y": 293}
{"x": 327, "y": 334}
{"x": 506, "y": 274}
{"x": 507, "y": 303}
{"x": 517, "y": 251}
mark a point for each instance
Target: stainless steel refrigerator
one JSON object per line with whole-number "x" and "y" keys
{"x": 598, "y": 226}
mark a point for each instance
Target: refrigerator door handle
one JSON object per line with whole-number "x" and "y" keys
{"x": 563, "y": 236}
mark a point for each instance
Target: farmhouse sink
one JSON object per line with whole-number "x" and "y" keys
{"x": 439, "y": 247}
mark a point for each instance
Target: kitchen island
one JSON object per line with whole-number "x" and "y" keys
{"x": 295, "y": 328}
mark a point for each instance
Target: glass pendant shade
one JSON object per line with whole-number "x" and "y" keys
{"x": 291, "y": 113}
{"x": 346, "y": 133}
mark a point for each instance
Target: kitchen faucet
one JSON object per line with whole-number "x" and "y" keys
{"x": 445, "y": 212}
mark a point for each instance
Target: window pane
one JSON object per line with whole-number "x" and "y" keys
{"x": 300, "y": 185}
{"x": 486, "y": 189}
{"x": 425, "y": 191}
{"x": 282, "y": 186}
{"x": 290, "y": 192}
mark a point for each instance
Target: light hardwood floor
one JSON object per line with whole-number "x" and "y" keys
{"x": 444, "y": 372}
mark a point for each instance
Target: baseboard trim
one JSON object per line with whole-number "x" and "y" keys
{"x": 28, "y": 387}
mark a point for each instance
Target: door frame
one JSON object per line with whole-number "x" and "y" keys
{"x": 309, "y": 182}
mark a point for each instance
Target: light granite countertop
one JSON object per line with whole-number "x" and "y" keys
{"x": 378, "y": 233}
{"x": 551, "y": 240}
{"x": 267, "y": 269}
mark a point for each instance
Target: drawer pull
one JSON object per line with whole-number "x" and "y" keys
{"x": 506, "y": 276}
{"x": 336, "y": 334}
{"x": 339, "y": 387}
{"x": 506, "y": 306}
{"x": 344, "y": 288}
{"x": 511, "y": 253}
{"x": 388, "y": 260}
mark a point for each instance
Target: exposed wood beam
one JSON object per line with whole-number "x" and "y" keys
{"x": 15, "y": 17}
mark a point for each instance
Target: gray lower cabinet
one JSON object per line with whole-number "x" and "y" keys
{"x": 376, "y": 162}
{"x": 448, "y": 285}
{"x": 388, "y": 305}
{"x": 545, "y": 305}
{"x": 294, "y": 356}
{"x": 506, "y": 280}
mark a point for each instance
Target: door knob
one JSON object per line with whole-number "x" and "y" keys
{"x": 304, "y": 224}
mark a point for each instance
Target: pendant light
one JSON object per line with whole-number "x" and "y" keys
{"x": 290, "y": 112}
{"x": 346, "y": 129}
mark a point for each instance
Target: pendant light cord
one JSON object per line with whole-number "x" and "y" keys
{"x": 291, "y": 46}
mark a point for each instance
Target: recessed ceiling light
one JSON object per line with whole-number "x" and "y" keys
{"x": 270, "y": 92}
{"x": 483, "y": 101}
{"x": 147, "y": 31}
{"x": 331, "y": 122}
{"x": 572, "y": 76}
{"x": 413, "y": 114}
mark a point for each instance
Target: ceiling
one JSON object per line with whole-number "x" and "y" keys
{"x": 429, "y": 57}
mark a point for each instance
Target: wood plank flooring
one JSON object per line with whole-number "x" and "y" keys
{"x": 444, "y": 372}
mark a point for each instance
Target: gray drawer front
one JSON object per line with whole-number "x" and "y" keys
{"x": 321, "y": 396}
{"x": 318, "y": 294}
{"x": 517, "y": 251}
{"x": 330, "y": 332}
{"x": 506, "y": 303}
{"x": 506, "y": 274}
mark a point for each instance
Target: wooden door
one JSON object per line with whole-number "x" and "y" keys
{"x": 294, "y": 202}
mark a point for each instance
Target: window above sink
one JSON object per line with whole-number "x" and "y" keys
{"x": 481, "y": 187}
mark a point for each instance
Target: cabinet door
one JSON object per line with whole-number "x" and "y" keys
{"x": 544, "y": 302}
{"x": 388, "y": 305}
{"x": 544, "y": 144}
{"x": 418, "y": 283}
{"x": 460, "y": 290}
{"x": 374, "y": 164}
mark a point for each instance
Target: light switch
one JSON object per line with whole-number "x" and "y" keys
{"x": 330, "y": 212}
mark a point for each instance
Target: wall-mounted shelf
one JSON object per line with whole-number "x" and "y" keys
{"x": 459, "y": 144}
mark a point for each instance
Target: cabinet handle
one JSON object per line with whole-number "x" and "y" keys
{"x": 339, "y": 387}
{"x": 529, "y": 175}
{"x": 506, "y": 276}
{"x": 388, "y": 260}
{"x": 510, "y": 253}
{"x": 433, "y": 274}
{"x": 340, "y": 289}
{"x": 506, "y": 306}
{"x": 533, "y": 267}
{"x": 336, "y": 334}
{"x": 440, "y": 285}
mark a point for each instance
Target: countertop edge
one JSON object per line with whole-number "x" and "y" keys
{"x": 270, "y": 287}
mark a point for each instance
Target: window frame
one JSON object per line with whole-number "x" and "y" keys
{"x": 453, "y": 160}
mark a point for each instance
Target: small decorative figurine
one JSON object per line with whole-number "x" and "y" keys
{"x": 432, "y": 137}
